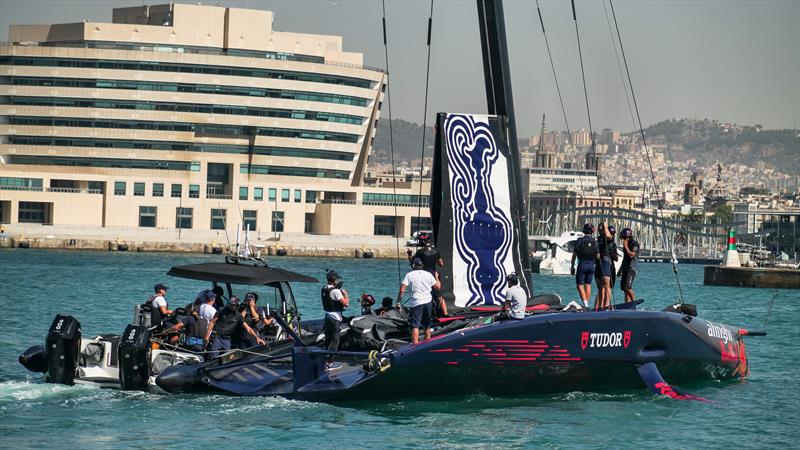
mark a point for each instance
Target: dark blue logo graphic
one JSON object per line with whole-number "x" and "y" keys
{"x": 482, "y": 231}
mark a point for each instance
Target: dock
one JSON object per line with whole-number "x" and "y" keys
{"x": 762, "y": 277}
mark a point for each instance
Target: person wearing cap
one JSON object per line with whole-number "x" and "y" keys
{"x": 431, "y": 259}
{"x": 334, "y": 301}
{"x": 627, "y": 270}
{"x": 159, "y": 303}
{"x": 516, "y": 299}
{"x": 227, "y": 325}
{"x": 421, "y": 284}
{"x": 367, "y": 300}
{"x": 585, "y": 253}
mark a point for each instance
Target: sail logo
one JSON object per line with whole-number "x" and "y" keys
{"x": 720, "y": 332}
{"x": 480, "y": 196}
{"x": 605, "y": 340}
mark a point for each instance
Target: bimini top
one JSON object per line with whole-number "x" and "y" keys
{"x": 237, "y": 273}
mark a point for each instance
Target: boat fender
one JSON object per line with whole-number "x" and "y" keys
{"x": 134, "y": 370}
{"x": 63, "y": 348}
{"x": 34, "y": 359}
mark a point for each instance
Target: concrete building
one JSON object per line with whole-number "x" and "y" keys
{"x": 191, "y": 117}
{"x": 583, "y": 182}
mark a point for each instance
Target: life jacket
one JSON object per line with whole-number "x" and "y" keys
{"x": 155, "y": 313}
{"x": 228, "y": 322}
{"x": 328, "y": 303}
{"x": 198, "y": 329}
{"x": 612, "y": 251}
{"x": 586, "y": 248}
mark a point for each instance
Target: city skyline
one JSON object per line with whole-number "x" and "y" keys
{"x": 705, "y": 68}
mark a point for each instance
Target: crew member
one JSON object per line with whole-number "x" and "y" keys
{"x": 630, "y": 250}
{"x": 516, "y": 299}
{"x": 207, "y": 310}
{"x": 334, "y": 301}
{"x": 227, "y": 325}
{"x": 586, "y": 253}
{"x": 159, "y": 304}
{"x": 194, "y": 330}
{"x": 220, "y": 302}
{"x": 603, "y": 267}
{"x": 255, "y": 317}
{"x": 421, "y": 284}
{"x": 431, "y": 258}
{"x": 386, "y": 306}
{"x": 367, "y": 301}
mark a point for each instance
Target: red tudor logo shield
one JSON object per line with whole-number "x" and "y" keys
{"x": 626, "y": 339}
{"x": 584, "y": 339}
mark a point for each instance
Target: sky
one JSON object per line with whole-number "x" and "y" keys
{"x": 735, "y": 61}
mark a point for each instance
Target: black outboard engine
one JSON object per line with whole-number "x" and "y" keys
{"x": 63, "y": 348}
{"x": 134, "y": 369}
{"x": 34, "y": 359}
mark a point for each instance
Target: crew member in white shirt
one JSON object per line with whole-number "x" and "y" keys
{"x": 420, "y": 283}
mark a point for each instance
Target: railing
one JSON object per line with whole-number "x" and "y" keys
{"x": 338, "y": 201}
{"x": 219, "y": 196}
{"x": 51, "y": 189}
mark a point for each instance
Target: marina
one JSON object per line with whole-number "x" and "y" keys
{"x": 105, "y": 284}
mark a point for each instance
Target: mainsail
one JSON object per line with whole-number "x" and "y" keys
{"x": 474, "y": 209}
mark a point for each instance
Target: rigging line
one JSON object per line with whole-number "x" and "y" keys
{"x": 636, "y": 107}
{"x": 656, "y": 187}
{"x": 586, "y": 94}
{"x": 560, "y": 98}
{"x": 619, "y": 66}
{"x": 391, "y": 136}
{"x": 424, "y": 117}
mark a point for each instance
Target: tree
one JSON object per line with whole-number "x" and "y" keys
{"x": 723, "y": 214}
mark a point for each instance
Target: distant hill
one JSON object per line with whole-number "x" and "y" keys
{"x": 708, "y": 141}
{"x": 407, "y": 139}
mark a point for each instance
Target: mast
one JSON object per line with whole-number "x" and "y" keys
{"x": 500, "y": 101}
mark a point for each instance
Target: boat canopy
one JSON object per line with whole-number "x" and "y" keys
{"x": 238, "y": 274}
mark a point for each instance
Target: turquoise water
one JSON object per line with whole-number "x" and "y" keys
{"x": 100, "y": 289}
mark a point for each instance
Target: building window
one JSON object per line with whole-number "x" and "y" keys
{"x": 176, "y": 190}
{"x": 273, "y": 194}
{"x": 194, "y": 191}
{"x": 243, "y": 193}
{"x": 158, "y": 189}
{"x": 147, "y": 216}
{"x": 311, "y": 196}
{"x": 138, "y": 189}
{"x": 421, "y": 223}
{"x": 385, "y": 225}
{"x": 298, "y": 196}
{"x": 258, "y": 194}
{"x": 218, "y": 219}
{"x": 33, "y": 212}
{"x": 284, "y": 195}
{"x": 277, "y": 221}
{"x": 249, "y": 221}
{"x": 183, "y": 218}
{"x": 119, "y": 188}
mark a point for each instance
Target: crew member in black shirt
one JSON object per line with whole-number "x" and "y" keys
{"x": 630, "y": 250}
{"x": 431, "y": 258}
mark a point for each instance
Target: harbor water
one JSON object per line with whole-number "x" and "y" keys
{"x": 100, "y": 289}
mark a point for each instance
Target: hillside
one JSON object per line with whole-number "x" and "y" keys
{"x": 709, "y": 141}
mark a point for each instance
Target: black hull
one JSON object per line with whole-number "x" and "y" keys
{"x": 546, "y": 353}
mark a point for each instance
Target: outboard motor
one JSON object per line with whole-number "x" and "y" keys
{"x": 34, "y": 359}
{"x": 134, "y": 370}
{"x": 63, "y": 347}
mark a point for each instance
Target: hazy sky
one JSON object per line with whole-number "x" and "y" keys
{"x": 736, "y": 61}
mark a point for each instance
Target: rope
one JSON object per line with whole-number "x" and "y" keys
{"x": 558, "y": 89}
{"x": 585, "y": 93}
{"x": 391, "y": 137}
{"x": 646, "y": 148}
{"x": 619, "y": 66}
{"x": 424, "y": 117}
